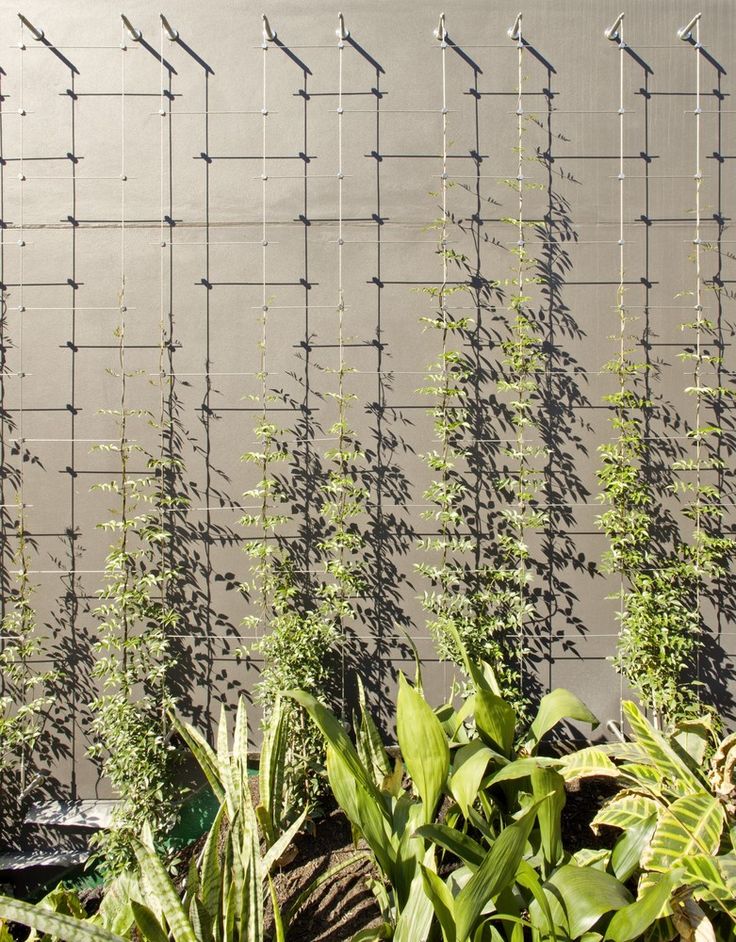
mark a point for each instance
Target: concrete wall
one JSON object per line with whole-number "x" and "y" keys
{"x": 191, "y": 255}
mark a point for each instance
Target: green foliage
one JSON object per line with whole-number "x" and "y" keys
{"x": 658, "y": 612}
{"x": 27, "y": 692}
{"x": 676, "y": 811}
{"x": 132, "y": 651}
{"x": 223, "y": 894}
{"x": 504, "y": 805}
{"x": 295, "y": 637}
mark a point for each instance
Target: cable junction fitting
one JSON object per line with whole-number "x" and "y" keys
{"x": 614, "y": 31}
{"x": 514, "y": 32}
{"x": 441, "y": 31}
{"x": 686, "y": 33}
{"x": 172, "y": 33}
{"x": 269, "y": 35}
{"x": 36, "y": 33}
{"x": 135, "y": 34}
{"x": 341, "y": 33}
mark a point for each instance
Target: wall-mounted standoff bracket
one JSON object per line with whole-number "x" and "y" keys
{"x": 614, "y": 31}
{"x": 341, "y": 33}
{"x": 441, "y": 32}
{"x": 686, "y": 33}
{"x": 514, "y": 32}
{"x": 135, "y": 34}
{"x": 36, "y": 33}
{"x": 269, "y": 35}
{"x": 169, "y": 29}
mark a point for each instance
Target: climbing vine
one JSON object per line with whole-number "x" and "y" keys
{"x": 133, "y": 657}
{"x": 27, "y": 692}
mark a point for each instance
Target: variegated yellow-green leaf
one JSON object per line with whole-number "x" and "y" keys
{"x": 716, "y": 874}
{"x": 626, "y": 811}
{"x": 691, "y": 825}
{"x": 584, "y": 762}
{"x": 659, "y": 752}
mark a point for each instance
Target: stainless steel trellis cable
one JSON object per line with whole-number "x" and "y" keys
{"x": 615, "y": 33}
{"x": 266, "y": 434}
{"x": 691, "y": 34}
{"x": 515, "y": 33}
{"x": 340, "y": 326}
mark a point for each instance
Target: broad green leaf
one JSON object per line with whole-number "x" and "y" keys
{"x": 334, "y": 733}
{"x": 423, "y": 744}
{"x": 495, "y": 873}
{"x": 689, "y": 826}
{"x": 414, "y": 922}
{"x": 554, "y": 707}
{"x": 362, "y": 810}
{"x": 495, "y": 720}
{"x": 160, "y": 884}
{"x": 224, "y": 766}
{"x": 148, "y": 926}
{"x": 462, "y": 845}
{"x": 470, "y": 765}
{"x": 660, "y": 753}
{"x": 521, "y": 768}
{"x": 585, "y": 894}
{"x": 53, "y": 924}
{"x": 626, "y": 811}
{"x": 546, "y": 782}
{"x": 442, "y": 903}
{"x": 629, "y": 848}
{"x": 587, "y": 762}
{"x": 526, "y": 876}
{"x": 632, "y": 921}
{"x": 373, "y": 933}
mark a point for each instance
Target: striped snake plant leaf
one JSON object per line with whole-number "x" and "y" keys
{"x": 202, "y": 752}
{"x": 272, "y": 772}
{"x": 225, "y": 766}
{"x": 149, "y": 927}
{"x": 276, "y": 851}
{"x": 424, "y": 746}
{"x": 627, "y": 810}
{"x": 54, "y": 924}
{"x": 691, "y": 825}
{"x": 160, "y": 885}
{"x": 370, "y": 745}
{"x": 587, "y": 762}
{"x": 661, "y": 755}
{"x": 210, "y": 870}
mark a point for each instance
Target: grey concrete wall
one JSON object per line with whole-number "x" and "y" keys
{"x": 194, "y": 184}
